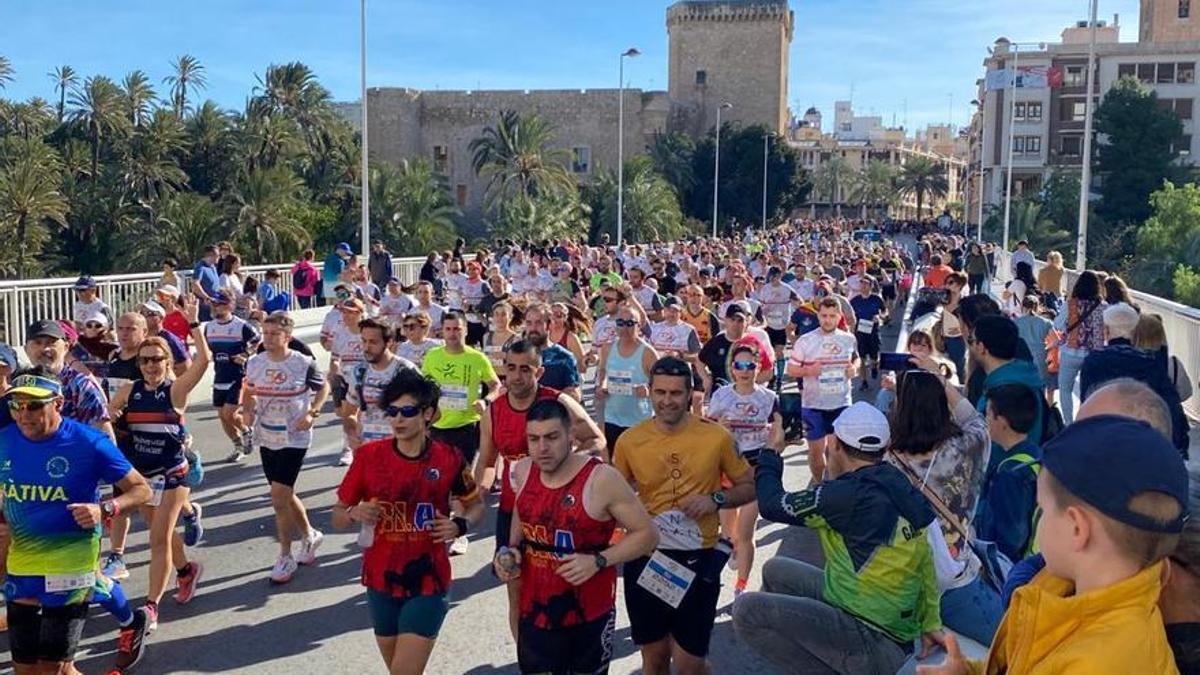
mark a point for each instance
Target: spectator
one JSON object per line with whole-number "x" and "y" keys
{"x": 169, "y": 277}
{"x": 1022, "y": 255}
{"x": 379, "y": 264}
{"x": 205, "y": 279}
{"x": 1005, "y": 514}
{"x": 952, "y": 331}
{"x": 305, "y": 279}
{"x": 878, "y": 590}
{"x": 1180, "y": 599}
{"x": 1033, "y": 329}
{"x": 994, "y": 343}
{"x": 1119, "y": 358}
{"x": 1050, "y": 277}
{"x": 334, "y": 266}
{"x": 976, "y": 267}
{"x": 1082, "y": 327}
{"x": 88, "y": 302}
{"x": 940, "y": 443}
{"x": 1151, "y": 335}
{"x": 920, "y": 344}
{"x": 1015, "y": 291}
{"x": 1116, "y": 291}
{"x": 270, "y": 298}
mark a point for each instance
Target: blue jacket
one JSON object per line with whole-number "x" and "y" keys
{"x": 1008, "y": 500}
{"x": 1017, "y": 371}
{"x": 1121, "y": 359}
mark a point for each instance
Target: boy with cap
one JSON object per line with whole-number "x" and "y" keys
{"x": 878, "y": 592}
{"x": 88, "y": 302}
{"x": 1113, "y": 494}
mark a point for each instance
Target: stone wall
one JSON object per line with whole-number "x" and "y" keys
{"x": 1160, "y": 21}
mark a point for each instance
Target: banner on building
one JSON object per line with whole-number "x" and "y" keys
{"x": 1028, "y": 77}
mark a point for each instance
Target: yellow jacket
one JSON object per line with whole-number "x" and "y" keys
{"x": 1116, "y": 629}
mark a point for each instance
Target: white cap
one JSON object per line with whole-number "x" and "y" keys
{"x": 863, "y": 427}
{"x": 96, "y": 317}
{"x": 168, "y": 289}
{"x": 155, "y": 307}
{"x": 1120, "y": 319}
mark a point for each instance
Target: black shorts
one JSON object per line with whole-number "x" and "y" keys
{"x": 475, "y": 333}
{"x": 691, "y": 624}
{"x": 465, "y": 438}
{"x": 585, "y": 648}
{"x": 888, "y": 292}
{"x": 778, "y": 336}
{"x": 868, "y": 344}
{"x": 230, "y": 396}
{"x": 45, "y": 633}
{"x": 611, "y": 433}
{"x": 282, "y": 465}
{"x": 338, "y": 388}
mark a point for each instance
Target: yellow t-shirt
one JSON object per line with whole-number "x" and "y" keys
{"x": 667, "y": 468}
{"x": 459, "y": 376}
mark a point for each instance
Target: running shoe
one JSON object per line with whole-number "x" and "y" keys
{"x": 346, "y": 458}
{"x": 131, "y": 641}
{"x": 193, "y": 526}
{"x": 248, "y": 441}
{"x": 239, "y": 451}
{"x": 459, "y": 546}
{"x": 151, "y": 610}
{"x": 114, "y": 567}
{"x": 195, "y": 475}
{"x": 308, "y": 547}
{"x": 285, "y": 567}
{"x": 185, "y": 586}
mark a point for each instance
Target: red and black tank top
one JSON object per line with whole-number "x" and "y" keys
{"x": 555, "y": 524}
{"x": 508, "y": 437}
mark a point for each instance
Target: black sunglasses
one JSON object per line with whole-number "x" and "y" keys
{"x": 626, "y": 323}
{"x": 407, "y": 411}
{"x": 32, "y": 406}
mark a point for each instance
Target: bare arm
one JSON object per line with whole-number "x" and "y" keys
{"x": 641, "y": 536}
{"x": 487, "y": 452}
{"x": 116, "y": 407}
{"x": 195, "y": 372}
{"x": 135, "y": 491}
{"x": 588, "y": 437}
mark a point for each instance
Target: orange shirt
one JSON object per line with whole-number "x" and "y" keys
{"x": 936, "y": 276}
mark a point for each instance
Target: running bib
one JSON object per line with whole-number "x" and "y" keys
{"x": 620, "y": 382}
{"x": 57, "y": 583}
{"x": 750, "y": 435}
{"x": 676, "y": 531}
{"x": 273, "y": 428}
{"x": 454, "y": 397}
{"x": 114, "y": 385}
{"x": 832, "y": 381}
{"x": 157, "y": 485}
{"x": 495, "y": 354}
{"x": 666, "y": 579}
{"x": 376, "y": 430}
{"x": 866, "y": 326}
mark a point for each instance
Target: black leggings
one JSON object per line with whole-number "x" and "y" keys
{"x": 975, "y": 283}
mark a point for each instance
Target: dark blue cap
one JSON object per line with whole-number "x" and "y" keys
{"x": 1107, "y": 460}
{"x": 222, "y": 298}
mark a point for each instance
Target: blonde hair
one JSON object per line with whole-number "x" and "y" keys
{"x": 1149, "y": 332}
{"x": 1054, "y": 258}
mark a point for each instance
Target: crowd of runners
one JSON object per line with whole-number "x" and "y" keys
{"x": 625, "y": 409}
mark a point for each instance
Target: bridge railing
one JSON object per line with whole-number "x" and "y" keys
{"x": 1181, "y": 322}
{"x": 26, "y": 300}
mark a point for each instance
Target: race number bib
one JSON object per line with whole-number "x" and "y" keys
{"x": 866, "y": 326}
{"x": 678, "y": 532}
{"x": 273, "y": 427}
{"x": 832, "y": 381}
{"x": 495, "y": 354}
{"x": 620, "y": 382}
{"x": 666, "y": 579}
{"x": 750, "y": 435}
{"x": 375, "y": 429}
{"x": 57, "y": 583}
{"x": 454, "y": 397}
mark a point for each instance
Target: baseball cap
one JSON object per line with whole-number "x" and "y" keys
{"x": 37, "y": 386}
{"x": 153, "y": 307}
{"x": 222, "y": 298}
{"x": 863, "y": 427}
{"x": 344, "y": 247}
{"x": 8, "y": 356}
{"x": 95, "y": 317}
{"x": 1107, "y": 460}
{"x": 736, "y": 309}
{"x": 84, "y": 282}
{"x": 394, "y": 280}
{"x": 168, "y": 290}
{"x": 672, "y": 301}
{"x": 45, "y": 328}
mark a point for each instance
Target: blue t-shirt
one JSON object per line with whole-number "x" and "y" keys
{"x": 179, "y": 353}
{"x": 334, "y": 265}
{"x": 206, "y": 276}
{"x": 40, "y": 479}
{"x": 560, "y": 369}
{"x": 868, "y": 307}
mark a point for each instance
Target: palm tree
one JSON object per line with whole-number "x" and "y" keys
{"x": 873, "y": 185}
{"x": 411, "y": 205}
{"x": 258, "y": 212}
{"x": 546, "y": 216}
{"x": 831, "y": 178}
{"x": 652, "y": 210}
{"x": 139, "y": 94}
{"x": 923, "y": 177}
{"x": 185, "y": 223}
{"x": 65, "y": 79}
{"x": 516, "y": 156}
{"x": 212, "y": 149}
{"x": 28, "y": 120}
{"x": 672, "y": 155}
{"x": 99, "y": 110}
{"x": 6, "y": 71}
{"x": 188, "y": 76}
{"x": 29, "y": 197}
{"x": 151, "y": 168}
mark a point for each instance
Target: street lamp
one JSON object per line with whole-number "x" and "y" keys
{"x": 362, "y": 56}
{"x": 717, "y": 164}
{"x": 1012, "y": 109}
{"x": 1085, "y": 175}
{"x": 982, "y": 135}
{"x": 631, "y": 52}
{"x": 766, "y": 152}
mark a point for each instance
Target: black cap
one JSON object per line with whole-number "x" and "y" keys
{"x": 672, "y": 301}
{"x": 45, "y": 328}
{"x": 736, "y": 309}
{"x": 1108, "y": 460}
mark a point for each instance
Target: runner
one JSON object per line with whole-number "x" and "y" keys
{"x": 365, "y": 383}
{"x": 460, "y": 371}
{"x": 623, "y": 378}
{"x": 152, "y": 406}
{"x": 231, "y": 341}
{"x": 558, "y": 555}
{"x": 395, "y": 303}
{"x": 418, "y": 343}
{"x": 473, "y": 291}
{"x": 676, "y": 461}
{"x": 751, "y": 412}
{"x": 870, "y": 309}
{"x": 827, "y": 361}
{"x": 673, "y": 337}
{"x": 93, "y": 349}
{"x": 154, "y": 313}
{"x": 777, "y": 299}
{"x": 345, "y": 354}
{"x": 502, "y": 435}
{"x": 284, "y": 392}
{"x": 54, "y": 513}
{"x": 432, "y": 309}
{"x": 500, "y": 336}
{"x": 400, "y": 491}
{"x": 560, "y": 369}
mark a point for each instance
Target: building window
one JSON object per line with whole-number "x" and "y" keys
{"x": 1071, "y": 146}
{"x": 1185, "y": 9}
{"x": 460, "y": 195}
{"x": 1034, "y": 112}
{"x": 1072, "y": 111}
{"x": 581, "y": 159}
{"x": 1019, "y": 111}
{"x": 1185, "y": 73}
{"x": 1184, "y": 147}
{"x": 1183, "y": 108}
{"x": 441, "y": 158}
{"x": 1033, "y": 145}
{"x": 1073, "y": 76}
{"x": 1019, "y": 145}
{"x": 1126, "y": 70}
{"x": 1145, "y": 72}
{"x": 1166, "y": 73}
{"x": 701, "y": 78}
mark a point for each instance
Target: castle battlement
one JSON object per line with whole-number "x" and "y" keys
{"x": 729, "y": 10}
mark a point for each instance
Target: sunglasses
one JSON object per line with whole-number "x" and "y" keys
{"x": 626, "y": 323}
{"x": 406, "y": 411}
{"x": 744, "y": 365}
{"x": 31, "y": 406}
{"x": 143, "y": 360}
{"x": 92, "y": 325}
{"x": 342, "y": 295}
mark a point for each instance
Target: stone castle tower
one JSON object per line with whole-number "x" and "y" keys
{"x": 733, "y": 51}
{"x": 1169, "y": 21}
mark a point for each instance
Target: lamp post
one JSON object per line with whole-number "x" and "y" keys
{"x": 362, "y": 56}
{"x": 982, "y": 136}
{"x": 631, "y": 52}
{"x": 766, "y": 153}
{"x": 717, "y": 165}
{"x": 1012, "y": 109}
{"x": 1085, "y": 175}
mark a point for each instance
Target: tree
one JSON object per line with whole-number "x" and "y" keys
{"x": 6, "y": 71}
{"x": 411, "y": 207}
{"x": 1168, "y": 244}
{"x": 741, "y": 176}
{"x": 1135, "y": 154}
{"x": 29, "y": 199}
{"x": 99, "y": 110}
{"x": 184, "y": 224}
{"x": 923, "y": 177}
{"x": 672, "y": 156}
{"x": 258, "y": 213}
{"x": 139, "y": 95}
{"x": 188, "y": 76}
{"x": 546, "y": 216}
{"x": 516, "y": 156}
{"x": 65, "y": 79}
{"x": 652, "y": 210}
{"x": 873, "y": 186}
{"x": 831, "y": 178}
{"x": 1029, "y": 222}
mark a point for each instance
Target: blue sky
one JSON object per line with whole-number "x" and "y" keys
{"x": 914, "y": 55}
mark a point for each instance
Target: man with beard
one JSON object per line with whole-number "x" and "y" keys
{"x": 365, "y": 383}
{"x": 560, "y": 370}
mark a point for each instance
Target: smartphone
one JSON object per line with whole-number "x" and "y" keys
{"x": 895, "y": 361}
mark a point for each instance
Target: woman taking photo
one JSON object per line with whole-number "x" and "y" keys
{"x": 1082, "y": 327}
{"x": 940, "y": 442}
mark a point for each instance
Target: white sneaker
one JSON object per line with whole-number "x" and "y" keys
{"x": 308, "y": 547}
{"x": 459, "y": 546}
{"x": 346, "y": 458}
{"x": 285, "y": 567}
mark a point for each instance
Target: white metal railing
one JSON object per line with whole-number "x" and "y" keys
{"x": 1181, "y": 322}
{"x": 27, "y": 300}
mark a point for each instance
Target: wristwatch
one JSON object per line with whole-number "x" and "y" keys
{"x": 718, "y": 498}
{"x": 108, "y": 508}
{"x": 601, "y": 561}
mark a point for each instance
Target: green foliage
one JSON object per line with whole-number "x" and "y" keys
{"x": 651, "y": 204}
{"x": 740, "y": 194}
{"x": 1187, "y": 285}
{"x": 1168, "y": 245}
{"x": 874, "y": 185}
{"x": 923, "y": 177}
{"x": 517, "y": 157}
{"x": 544, "y": 216}
{"x": 411, "y": 207}
{"x": 672, "y": 156}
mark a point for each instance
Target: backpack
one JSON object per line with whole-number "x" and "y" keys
{"x": 300, "y": 277}
{"x": 1052, "y": 420}
{"x": 1022, "y": 459}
